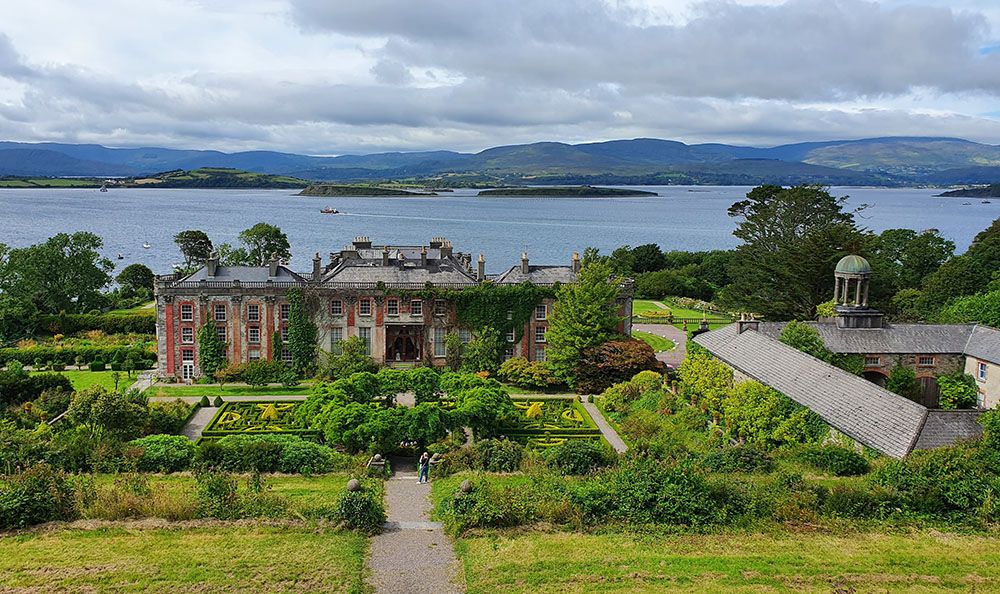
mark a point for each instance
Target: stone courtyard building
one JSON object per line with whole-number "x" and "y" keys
{"x": 862, "y": 408}
{"x": 364, "y": 290}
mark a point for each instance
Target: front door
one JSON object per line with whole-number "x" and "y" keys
{"x": 402, "y": 343}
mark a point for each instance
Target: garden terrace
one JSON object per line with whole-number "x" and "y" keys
{"x": 546, "y": 422}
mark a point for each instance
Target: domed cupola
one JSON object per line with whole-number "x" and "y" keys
{"x": 850, "y": 294}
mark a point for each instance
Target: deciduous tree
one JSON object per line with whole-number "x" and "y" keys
{"x": 195, "y": 246}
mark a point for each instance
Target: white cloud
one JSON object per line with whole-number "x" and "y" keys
{"x": 331, "y": 77}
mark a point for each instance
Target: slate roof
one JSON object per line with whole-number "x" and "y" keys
{"x": 244, "y": 274}
{"x": 984, "y": 343}
{"x": 872, "y": 415}
{"x": 539, "y": 275}
{"x": 895, "y": 338}
{"x": 945, "y": 427}
{"x": 439, "y": 272}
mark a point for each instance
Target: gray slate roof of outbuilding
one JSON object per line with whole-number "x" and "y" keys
{"x": 538, "y": 275}
{"x": 896, "y": 338}
{"x": 872, "y": 415}
{"x": 244, "y": 274}
{"x": 984, "y": 343}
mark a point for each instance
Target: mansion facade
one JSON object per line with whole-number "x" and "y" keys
{"x": 353, "y": 293}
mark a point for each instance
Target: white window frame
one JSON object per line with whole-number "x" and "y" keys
{"x": 416, "y": 308}
{"x": 439, "y": 349}
{"x": 539, "y": 353}
{"x": 922, "y": 358}
{"x": 511, "y": 335}
{"x": 250, "y": 335}
{"x": 541, "y": 312}
{"x": 540, "y": 334}
{"x": 187, "y": 355}
{"x": 336, "y": 307}
{"x": 286, "y": 355}
{"x": 981, "y": 371}
{"x": 253, "y": 355}
{"x": 440, "y": 307}
{"x": 221, "y": 332}
{"x": 219, "y": 312}
{"x": 187, "y": 312}
{"x": 464, "y": 335}
{"x": 336, "y": 338}
{"x": 365, "y": 307}
{"x": 284, "y": 311}
{"x": 392, "y": 307}
{"x": 253, "y": 312}
{"x": 187, "y": 335}
{"x": 284, "y": 334}
{"x": 365, "y": 334}
{"x": 873, "y": 361}
{"x": 508, "y": 353}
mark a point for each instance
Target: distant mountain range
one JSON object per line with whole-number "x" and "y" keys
{"x": 871, "y": 161}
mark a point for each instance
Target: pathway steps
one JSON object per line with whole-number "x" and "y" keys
{"x": 197, "y": 423}
{"x": 412, "y": 555}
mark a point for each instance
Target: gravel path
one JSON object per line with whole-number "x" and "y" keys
{"x": 674, "y": 356}
{"x": 412, "y": 555}
{"x": 607, "y": 430}
{"x": 201, "y": 418}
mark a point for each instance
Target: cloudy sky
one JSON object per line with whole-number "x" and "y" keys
{"x": 339, "y": 76}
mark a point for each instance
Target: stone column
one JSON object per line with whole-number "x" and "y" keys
{"x": 857, "y": 292}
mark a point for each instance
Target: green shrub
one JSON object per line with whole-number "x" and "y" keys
{"x": 957, "y": 390}
{"x": 97, "y": 365}
{"x": 742, "y": 458}
{"x": 217, "y": 494}
{"x": 39, "y": 494}
{"x": 204, "y": 402}
{"x": 857, "y": 501}
{"x": 164, "y": 453}
{"x": 21, "y": 448}
{"x": 209, "y": 455}
{"x": 167, "y": 417}
{"x": 497, "y": 455}
{"x": 578, "y": 456}
{"x": 489, "y": 505}
{"x": 836, "y": 460}
{"x": 18, "y": 386}
{"x": 269, "y": 453}
{"x": 619, "y": 397}
{"x": 218, "y": 401}
{"x": 943, "y": 481}
{"x": 362, "y": 510}
{"x": 107, "y": 323}
{"x": 648, "y": 380}
{"x": 58, "y": 367}
{"x": 424, "y": 383}
{"x": 527, "y": 374}
{"x": 612, "y": 362}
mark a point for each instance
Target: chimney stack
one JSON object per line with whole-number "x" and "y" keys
{"x": 446, "y": 248}
{"x": 317, "y": 268}
{"x": 212, "y": 264}
{"x": 385, "y": 256}
{"x": 746, "y": 322}
{"x": 576, "y": 262}
{"x": 481, "y": 270}
{"x": 423, "y": 257}
{"x": 525, "y": 269}
{"x": 362, "y": 242}
{"x": 272, "y": 268}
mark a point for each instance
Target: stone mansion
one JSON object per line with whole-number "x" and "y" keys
{"x": 248, "y": 305}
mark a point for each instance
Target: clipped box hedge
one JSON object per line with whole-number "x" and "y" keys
{"x": 107, "y": 323}
{"x": 67, "y": 355}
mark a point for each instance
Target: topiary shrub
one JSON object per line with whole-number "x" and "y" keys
{"x": 497, "y": 455}
{"x": 362, "y": 510}
{"x": 97, "y": 365}
{"x": 39, "y": 494}
{"x": 164, "y": 453}
{"x": 836, "y": 460}
{"x": 204, "y": 402}
{"x": 58, "y": 367}
{"x": 578, "y": 456}
{"x": 218, "y": 401}
{"x": 647, "y": 381}
{"x": 742, "y": 458}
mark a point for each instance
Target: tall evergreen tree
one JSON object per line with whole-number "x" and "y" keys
{"x": 792, "y": 239}
{"x": 584, "y": 315}
{"x": 301, "y": 333}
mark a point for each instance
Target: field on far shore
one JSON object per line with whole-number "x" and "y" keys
{"x": 571, "y": 563}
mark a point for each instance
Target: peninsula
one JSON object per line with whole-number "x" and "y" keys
{"x": 578, "y": 191}
{"x": 990, "y": 191}
{"x": 357, "y": 190}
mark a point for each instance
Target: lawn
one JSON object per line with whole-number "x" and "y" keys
{"x": 304, "y": 492}
{"x": 922, "y": 562}
{"x": 238, "y": 390}
{"x": 657, "y": 342}
{"x": 146, "y": 309}
{"x": 209, "y": 559}
{"x": 85, "y": 379}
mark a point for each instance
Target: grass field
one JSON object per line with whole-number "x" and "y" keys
{"x": 215, "y": 559}
{"x": 657, "y": 342}
{"x": 216, "y": 390}
{"x": 85, "y": 379}
{"x": 923, "y": 562}
{"x": 146, "y": 309}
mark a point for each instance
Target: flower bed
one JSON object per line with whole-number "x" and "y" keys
{"x": 257, "y": 417}
{"x": 549, "y": 422}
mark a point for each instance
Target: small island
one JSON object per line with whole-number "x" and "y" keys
{"x": 990, "y": 191}
{"x": 206, "y": 177}
{"x": 576, "y": 191}
{"x": 357, "y": 190}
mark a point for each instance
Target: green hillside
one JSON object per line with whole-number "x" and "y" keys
{"x": 218, "y": 177}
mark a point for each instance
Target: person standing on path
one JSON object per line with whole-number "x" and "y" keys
{"x": 425, "y": 467}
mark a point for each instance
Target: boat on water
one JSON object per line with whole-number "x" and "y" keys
{"x": 146, "y": 245}
{"x": 987, "y": 202}
{"x": 329, "y": 211}
{"x": 121, "y": 257}
{"x": 104, "y": 188}
{"x": 966, "y": 204}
